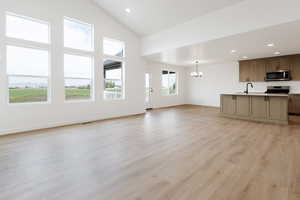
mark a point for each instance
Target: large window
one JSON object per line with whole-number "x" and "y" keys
{"x": 27, "y": 59}
{"x": 169, "y": 83}
{"x": 78, "y": 35}
{"x": 78, "y": 60}
{"x": 78, "y": 77}
{"x": 113, "y": 68}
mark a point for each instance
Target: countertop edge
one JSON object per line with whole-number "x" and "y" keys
{"x": 258, "y": 94}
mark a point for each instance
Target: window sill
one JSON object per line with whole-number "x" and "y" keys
{"x": 29, "y": 103}
{"x": 79, "y": 101}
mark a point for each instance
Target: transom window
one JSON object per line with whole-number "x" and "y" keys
{"x": 169, "y": 83}
{"x": 27, "y": 59}
{"x": 26, "y": 28}
{"x": 113, "y": 68}
{"x": 78, "y": 35}
{"x": 113, "y": 48}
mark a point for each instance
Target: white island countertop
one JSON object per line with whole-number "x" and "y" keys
{"x": 256, "y": 94}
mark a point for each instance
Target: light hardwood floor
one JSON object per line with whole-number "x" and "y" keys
{"x": 182, "y": 153}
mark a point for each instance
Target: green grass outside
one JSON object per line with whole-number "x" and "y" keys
{"x": 26, "y": 95}
{"x": 77, "y": 94}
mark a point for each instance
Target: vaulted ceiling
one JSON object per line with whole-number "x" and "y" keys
{"x": 151, "y": 16}
{"x": 180, "y": 32}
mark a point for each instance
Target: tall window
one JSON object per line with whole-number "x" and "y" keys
{"x": 113, "y": 67}
{"x": 27, "y": 59}
{"x": 169, "y": 83}
{"x": 78, "y": 60}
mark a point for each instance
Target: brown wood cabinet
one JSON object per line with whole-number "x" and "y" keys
{"x": 245, "y": 71}
{"x": 262, "y": 108}
{"x": 259, "y": 71}
{"x": 255, "y": 70}
{"x": 259, "y": 107}
{"x": 294, "y": 104}
{"x": 295, "y": 67}
{"x": 272, "y": 64}
{"x": 278, "y": 107}
{"x": 229, "y": 105}
{"x": 242, "y": 106}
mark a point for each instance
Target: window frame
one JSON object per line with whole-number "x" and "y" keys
{"x": 169, "y": 70}
{"x": 123, "y": 69}
{"x": 83, "y": 53}
{"x": 27, "y": 44}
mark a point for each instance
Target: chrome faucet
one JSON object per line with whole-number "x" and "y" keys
{"x": 247, "y": 89}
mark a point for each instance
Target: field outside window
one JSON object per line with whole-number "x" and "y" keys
{"x": 78, "y": 77}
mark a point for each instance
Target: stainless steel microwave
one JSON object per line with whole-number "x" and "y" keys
{"x": 278, "y": 76}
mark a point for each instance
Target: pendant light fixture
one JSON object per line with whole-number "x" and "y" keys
{"x": 196, "y": 73}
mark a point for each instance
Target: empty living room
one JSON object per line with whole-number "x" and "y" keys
{"x": 149, "y": 100}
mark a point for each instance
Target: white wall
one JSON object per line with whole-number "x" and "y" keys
{"x": 15, "y": 118}
{"x": 158, "y": 100}
{"x": 222, "y": 78}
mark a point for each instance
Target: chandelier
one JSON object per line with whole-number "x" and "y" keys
{"x": 196, "y": 73}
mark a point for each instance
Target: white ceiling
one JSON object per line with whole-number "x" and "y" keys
{"x": 152, "y": 16}
{"x": 252, "y": 44}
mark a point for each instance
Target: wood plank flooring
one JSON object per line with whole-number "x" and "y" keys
{"x": 182, "y": 153}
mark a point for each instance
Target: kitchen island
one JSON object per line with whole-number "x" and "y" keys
{"x": 261, "y": 107}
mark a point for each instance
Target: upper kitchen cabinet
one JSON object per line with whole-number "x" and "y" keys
{"x": 285, "y": 63}
{"x": 272, "y": 64}
{"x": 259, "y": 70}
{"x": 246, "y": 70}
{"x": 295, "y": 67}
{"x": 255, "y": 70}
{"x": 252, "y": 70}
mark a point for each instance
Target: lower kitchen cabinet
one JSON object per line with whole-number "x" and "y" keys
{"x": 242, "y": 106}
{"x": 271, "y": 109}
{"x": 229, "y": 105}
{"x": 259, "y": 107}
{"x": 294, "y": 104}
{"x": 278, "y": 108}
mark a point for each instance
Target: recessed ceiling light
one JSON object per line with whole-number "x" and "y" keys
{"x": 245, "y": 57}
{"x": 277, "y": 53}
{"x": 233, "y": 51}
{"x": 128, "y": 10}
{"x": 271, "y": 45}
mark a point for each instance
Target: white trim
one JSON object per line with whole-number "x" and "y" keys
{"x": 27, "y": 44}
{"x": 3, "y": 78}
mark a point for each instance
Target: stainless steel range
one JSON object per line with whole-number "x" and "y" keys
{"x": 278, "y": 90}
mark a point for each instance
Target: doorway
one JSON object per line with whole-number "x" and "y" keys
{"x": 148, "y": 91}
